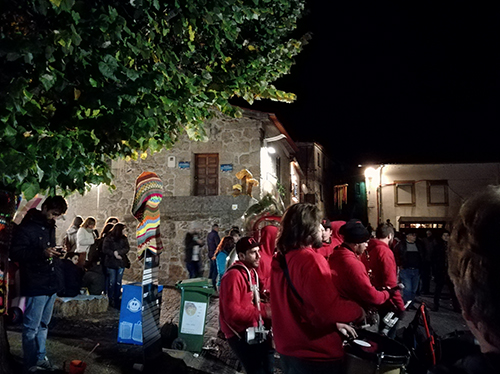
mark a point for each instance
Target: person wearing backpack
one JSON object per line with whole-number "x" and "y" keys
{"x": 309, "y": 317}
{"x": 69, "y": 240}
{"x": 85, "y": 237}
{"x": 243, "y": 312}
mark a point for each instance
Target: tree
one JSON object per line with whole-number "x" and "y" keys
{"x": 88, "y": 81}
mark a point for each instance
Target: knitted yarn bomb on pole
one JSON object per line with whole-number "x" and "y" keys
{"x": 146, "y": 209}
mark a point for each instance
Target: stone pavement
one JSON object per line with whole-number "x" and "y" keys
{"x": 74, "y": 337}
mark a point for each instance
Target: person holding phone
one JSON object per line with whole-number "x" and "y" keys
{"x": 34, "y": 248}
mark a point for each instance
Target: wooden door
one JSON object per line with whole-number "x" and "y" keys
{"x": 207, "y": 174}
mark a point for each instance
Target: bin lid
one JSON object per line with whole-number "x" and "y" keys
{"x": 196, "y": 283}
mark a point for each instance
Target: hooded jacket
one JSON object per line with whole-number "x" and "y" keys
{"x": 267, "y": 247}
{"x": 39, "y": 275}
{"x": 307, "y": 329}
{"x": 237, "y": 310}
{"x": 112, "y": 244}
{"x": 337, "y": 238}
{"x": 351, "y": 278}
{"x": 380, "y": 260}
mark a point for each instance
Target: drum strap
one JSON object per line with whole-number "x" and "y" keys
{"x": 284, "y": 267}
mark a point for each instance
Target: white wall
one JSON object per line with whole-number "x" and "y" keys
{"x": 463, "y": 180}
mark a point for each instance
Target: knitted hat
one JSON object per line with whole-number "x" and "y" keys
{"x": 148, "y": 187}
{"x": 146, "y": 209}
{"x": 354, "y": 232}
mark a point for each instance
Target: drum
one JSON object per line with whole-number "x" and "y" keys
{"x": 375, "y": 353}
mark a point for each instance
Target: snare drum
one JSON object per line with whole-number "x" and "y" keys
{"x": 383, "y": 355}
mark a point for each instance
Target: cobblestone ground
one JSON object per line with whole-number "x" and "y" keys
{"x": 74, "y": 337}
{"x": 444, "y": 322}
{"x": 216, "y": 348}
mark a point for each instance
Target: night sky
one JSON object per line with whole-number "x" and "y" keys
{"x": 397, "y": 82}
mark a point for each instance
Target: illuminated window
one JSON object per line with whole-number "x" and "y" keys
{"x": 404, "y": 193}
{"x": 437, "y": 192}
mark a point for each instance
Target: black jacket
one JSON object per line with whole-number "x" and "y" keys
{"x": 440, "y": 260}
{"x": 400, "y": 253}
{"x": 120, "y": 245}
{"x": 39, "y": 274}
{"x": 72, "y": 279}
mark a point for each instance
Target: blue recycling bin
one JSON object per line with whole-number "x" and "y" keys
{"x": 130, "y": 328}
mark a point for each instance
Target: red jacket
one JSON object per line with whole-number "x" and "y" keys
{"x": 236, "y": 306}
{"x": 308, "y": 330}
{"x": 380, "y": 260}
{"x": 337, "y": 238}
{"x": 350, "y": 276}
{"x": 326, "y": 250}
{"x": 267, "y": 247}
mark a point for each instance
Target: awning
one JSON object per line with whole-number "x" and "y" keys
{"x": 424, "y": 219}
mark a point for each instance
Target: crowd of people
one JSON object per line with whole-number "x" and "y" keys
{"x": 313, "y": 283}
{"x": 310, "y": 281}
{"x": 99, "y": 259}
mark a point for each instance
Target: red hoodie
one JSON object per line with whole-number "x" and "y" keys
{"x": 380, "y": 260}
{"x": 308, "y": 330}
{"x": 236, "y": 306}
{"x": 350, "y": 276}
{"x": 326, "y": 250}
{"x": 267, "y": 247}
{"x": 337, "y": 239}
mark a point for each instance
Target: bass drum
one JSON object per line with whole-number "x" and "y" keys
{"x": 375, "y": 353}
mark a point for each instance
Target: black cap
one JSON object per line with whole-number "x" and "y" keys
{"x": 354, "y": 232}
{"x": 246, "y": 243}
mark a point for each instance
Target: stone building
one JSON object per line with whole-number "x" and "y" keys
{"x": 318, "y": 178}
{"x": 198, "y": 182}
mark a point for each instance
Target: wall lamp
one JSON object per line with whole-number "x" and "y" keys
{"x": 271, "y": 150}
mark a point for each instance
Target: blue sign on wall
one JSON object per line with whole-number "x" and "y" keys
{"x": 226, "y": 167}
{"x": 184, "y": 164}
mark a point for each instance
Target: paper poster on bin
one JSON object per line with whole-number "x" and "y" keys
{"x": 193, "y": 318}
{"x": 130, "y": 323}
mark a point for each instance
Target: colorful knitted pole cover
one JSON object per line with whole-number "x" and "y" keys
{"x": 146, "y": 209}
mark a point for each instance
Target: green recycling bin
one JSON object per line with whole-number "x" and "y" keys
{"x": 195, "y": 298}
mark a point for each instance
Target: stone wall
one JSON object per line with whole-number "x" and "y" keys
{"x": 237, "y": 141}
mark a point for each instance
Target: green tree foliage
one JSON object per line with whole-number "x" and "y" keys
{"x": 86, "y": 81}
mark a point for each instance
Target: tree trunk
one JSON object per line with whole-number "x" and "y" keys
{"x": 7, "y": 210}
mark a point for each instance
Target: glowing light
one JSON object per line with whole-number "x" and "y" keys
{"x": 370, "y": 172}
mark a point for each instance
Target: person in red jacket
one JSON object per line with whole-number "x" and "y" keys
{"x": 267, "y": 247}
{"x": 327, "y": 248}
{"x": 348, "y": 272}
{"x": 381, "y": 266}
{"x": 241, "y": 310}
{"x": 308, "y": 313}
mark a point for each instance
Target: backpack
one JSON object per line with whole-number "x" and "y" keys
{"x": 422, "y": 342}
